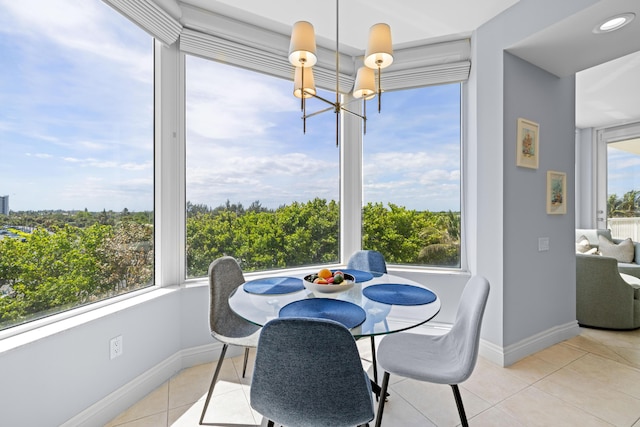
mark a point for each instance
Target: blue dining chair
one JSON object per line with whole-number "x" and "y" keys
{"x": 373, "y": 262}
{"x": 368, "y": 260}
{"x": 441, "y": 359}
{"x": 225, "y": 275}
{"x": 308, "y": 373}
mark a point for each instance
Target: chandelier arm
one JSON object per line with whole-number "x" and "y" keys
{"x": 323, "y": 99}
{"x": 319, "y": 112}
{"x": 353, "y": 113}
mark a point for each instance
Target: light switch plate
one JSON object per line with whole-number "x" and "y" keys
{"x": 543, "y": 244}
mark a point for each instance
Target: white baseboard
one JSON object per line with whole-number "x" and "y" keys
{"x": 120, "y": 400}
{"x": 509, "y": 355}
{"x": 117, "y": 402}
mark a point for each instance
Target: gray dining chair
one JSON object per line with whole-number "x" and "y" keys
{"x": 374, "y": 262}
{"x": 225, "y": 275}
{"x": 308, "y": 373}
{"x": 441, "y": 359}
{"x": 367, "y": 260}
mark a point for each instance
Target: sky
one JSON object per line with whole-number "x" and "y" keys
{"x": 76, "y": 125}
{"x": 623, "y": 172}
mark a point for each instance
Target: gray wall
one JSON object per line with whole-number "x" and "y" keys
{"x": 539, "y": 287}
{"x": 490, "y": 168}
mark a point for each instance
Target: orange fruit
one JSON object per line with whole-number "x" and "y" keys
{"x": 325, "y": 273}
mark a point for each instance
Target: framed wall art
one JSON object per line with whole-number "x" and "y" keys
{"x": 527, "y": 147}
{"x": 556, "y": 192}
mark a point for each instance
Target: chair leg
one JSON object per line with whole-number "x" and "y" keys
{"x": 246, "y": 358}
{"x": 385, "y": 384}
{"x": 458, "y": 397}
{"x": 213, "y": 382}
{"x": 373, "y": 358}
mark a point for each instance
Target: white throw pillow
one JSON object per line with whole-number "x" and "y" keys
{"x": 582, "y": 245}
{"x": 622, "y": 251}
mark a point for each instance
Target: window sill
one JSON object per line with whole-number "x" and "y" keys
{"x": 28, "y": 333}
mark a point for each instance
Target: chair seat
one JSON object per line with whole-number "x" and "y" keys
{"x": 407, "y": 355}
{"x": 244, "y": 341}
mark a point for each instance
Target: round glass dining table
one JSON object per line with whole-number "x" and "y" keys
{"x": 399, "y": 311}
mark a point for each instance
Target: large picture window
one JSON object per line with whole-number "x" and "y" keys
{"x": 411, "y": 177}
{"x": 257, "y": 188}
{"x": 76, "y": 124}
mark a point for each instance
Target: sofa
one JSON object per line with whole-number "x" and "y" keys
{"x": 604, "y": 297}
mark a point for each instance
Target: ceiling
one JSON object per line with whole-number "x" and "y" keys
{"x": 607, "y": 66}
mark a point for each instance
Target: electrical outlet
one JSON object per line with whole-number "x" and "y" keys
{"x": 115, "y": 347}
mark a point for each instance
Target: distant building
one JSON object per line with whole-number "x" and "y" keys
{"x": 4, "y": 205}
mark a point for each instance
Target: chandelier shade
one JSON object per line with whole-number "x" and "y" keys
{"x": 365, "y": 85}
{"x": 303, "y": 83}
{"x": 302, "y": 49}
{"x": 379, "y": 53}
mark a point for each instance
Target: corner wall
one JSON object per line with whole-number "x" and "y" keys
{"x": 504, "y": 234}
{"x": 539, "y": 291}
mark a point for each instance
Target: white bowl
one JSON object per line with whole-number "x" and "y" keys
{"x": 347, "y": 284}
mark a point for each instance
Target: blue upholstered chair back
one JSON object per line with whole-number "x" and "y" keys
{"x": 366, "y": 260}
{"x": 308, "y": 373}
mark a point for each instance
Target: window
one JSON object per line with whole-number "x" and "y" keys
{"x": 411, "y": 177}
{"x": 76, "y": 123}
{"x": 623, "y": 188}
{"x": 257, "y": 188}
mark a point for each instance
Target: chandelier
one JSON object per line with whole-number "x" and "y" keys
{"x": 302, "y": 55}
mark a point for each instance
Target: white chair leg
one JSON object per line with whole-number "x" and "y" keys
{"x": 213, "y": 383}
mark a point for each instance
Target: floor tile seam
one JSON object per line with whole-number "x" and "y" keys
{"x": 628, "y": 362}
{"x": 576, "y": 407}
{"x": 635, "y": 368}
{"x": 128, "y": 422}
{"x": 526, "y": 386}
{"x": 141, "y": 417}
{"x": 497, "y": 408}
{"x": 166, "y": 420}
{"x": 390, "y": 388}
{"x": 606, "y": 385}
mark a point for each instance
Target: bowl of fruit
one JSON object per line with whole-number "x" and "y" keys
{"x": 326, "y": 281}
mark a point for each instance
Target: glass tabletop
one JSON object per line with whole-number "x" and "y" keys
{"x": 381, "y": 318}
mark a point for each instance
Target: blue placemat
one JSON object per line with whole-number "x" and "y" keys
{"x": 274, "y": 285}
{"x": 399, "y": 294}
{"x": 359, "y": 275}
{"x": 347, "y": 313}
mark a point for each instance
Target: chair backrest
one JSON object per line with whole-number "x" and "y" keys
{"x": 368, "y": 260}
{"x": 225, "y": 275}
{"x": 308, "y": 373}
{"x": 465, "y": 333}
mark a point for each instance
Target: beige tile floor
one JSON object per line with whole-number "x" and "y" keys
{"x": 590, "y": 380}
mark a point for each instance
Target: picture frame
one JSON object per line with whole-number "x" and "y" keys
{"x": 556, "y": 193}
{"x": 527, "y": 146}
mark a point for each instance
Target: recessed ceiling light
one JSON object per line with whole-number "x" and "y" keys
{"x": 614, "y": 23}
